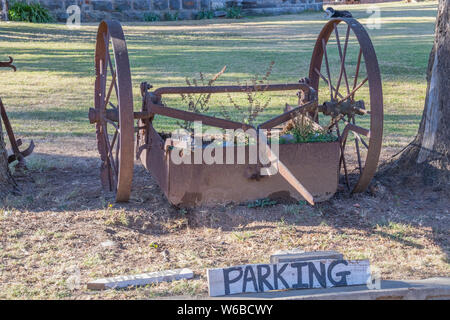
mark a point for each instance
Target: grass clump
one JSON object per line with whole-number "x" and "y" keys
{"x": 261, "y": 203}
{"x": 29, "y": 12}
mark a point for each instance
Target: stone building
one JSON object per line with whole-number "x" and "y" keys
{"x": 138, "y": 10}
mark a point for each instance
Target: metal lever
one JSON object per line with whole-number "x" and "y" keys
{"x": 15, "y": 144}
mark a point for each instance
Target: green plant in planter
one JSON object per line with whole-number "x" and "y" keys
{"x": 317, "y": 136}
{"x": 30, "y": 12}
{"x": 257, "y": 101}
{"x": 302, "y": 129}
{"x": 198, "y": 103}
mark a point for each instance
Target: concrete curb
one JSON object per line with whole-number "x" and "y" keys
{"x": 428, "y": 289}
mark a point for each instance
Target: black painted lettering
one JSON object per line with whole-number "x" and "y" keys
{"x": 299, "y": 266}
{"x": 226, "y": 277}
{"x": 321, "y": 277}
{"x": 342, "y": 274}
{"x": 277, "y": 276}
{"x": 262, "y": 277}
{"x": 249, "y": 270}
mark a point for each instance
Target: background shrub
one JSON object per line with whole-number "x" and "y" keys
{"x": 151, "y": 17}
{"x": 171, "y": 17}
{"x": 205, "y": 14}
{"x": 234, "y": 12}
{"x": 33, "y": 12}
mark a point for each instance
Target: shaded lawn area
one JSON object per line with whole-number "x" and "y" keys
{"x": 52, "y": 238}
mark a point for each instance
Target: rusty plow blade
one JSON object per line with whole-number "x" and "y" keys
{"x": 15, "y": 144}
{"x": 20, "y": 155}
{"x": 8, "y": 64}
{"x": 288, "y": 176}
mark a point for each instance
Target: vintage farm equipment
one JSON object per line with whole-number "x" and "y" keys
{"x": 15, "y": 144}
{"x": 307, "y": 171}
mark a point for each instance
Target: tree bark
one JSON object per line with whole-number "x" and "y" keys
{"x": 428, "y": 153}
{"x": 4, "y": 13}
{"x": 7, "y": 183}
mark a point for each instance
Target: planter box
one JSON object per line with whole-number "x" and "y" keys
{"x": 315, "y": 165}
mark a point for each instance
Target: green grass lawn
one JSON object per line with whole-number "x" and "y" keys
{"x": 53, "y": 88}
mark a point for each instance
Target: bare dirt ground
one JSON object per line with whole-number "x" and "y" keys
{"x": 62, "y": 232}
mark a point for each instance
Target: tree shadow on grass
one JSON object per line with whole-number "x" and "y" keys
{"x": 62, "y": 184}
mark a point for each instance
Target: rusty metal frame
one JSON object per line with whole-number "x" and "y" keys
{"x": 15, "y": 144}
{"x": 8, "y": 64}
{"x": 228, "y": 89}
{"x": 307, "y": 89}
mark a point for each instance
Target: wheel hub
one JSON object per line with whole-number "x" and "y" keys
{"x": 335, "y": 108}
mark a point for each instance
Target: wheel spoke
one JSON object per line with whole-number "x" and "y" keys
{"x": 113, "y": 82}
{"x": 113, "y": 71}
{"x": 103, "y": 74}
{"x": 111, "y": 179}
{"x": 358, "y": 129}
{"x": 106, "y": 38}
{"x": 357, "y": 71}
{"x": 357, "y": 147}
{"x": 354, "y": 90}
{"x": 113, "y": 124}
{"x": 361, "y": 140}
{"x": 334, "y": 122}
{"x": 114, "y": 139}
{"x": 110, "y": 158}
{"x": 342, "y": 158}
{"x": 325, "y": 79}
{"x": 342, "y": 56}
{"x": 358, "y": 136}
{"x": 324, "y": 47}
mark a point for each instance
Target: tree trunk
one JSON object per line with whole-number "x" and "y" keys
{"x": 428, "y": 154}
{"x": 4, "y": 13}
{"x": 7, "y": 183}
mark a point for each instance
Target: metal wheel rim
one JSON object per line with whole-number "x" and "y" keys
{"x": 120, "y": 181}
{"x": 375, "y": 91}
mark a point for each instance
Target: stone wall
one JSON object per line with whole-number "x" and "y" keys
{"x": 138, "y": 10}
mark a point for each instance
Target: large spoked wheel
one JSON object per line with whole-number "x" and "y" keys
{"x": 344, "y": 70}
{"x": 113, "y": 95}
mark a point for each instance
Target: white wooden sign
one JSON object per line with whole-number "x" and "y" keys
{"x": 292, "y": 275}
{"x": 140, "y": 279}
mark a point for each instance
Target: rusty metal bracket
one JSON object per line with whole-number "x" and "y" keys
{"x": 15, "y": 144}
{"x": 8, "y": 64}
